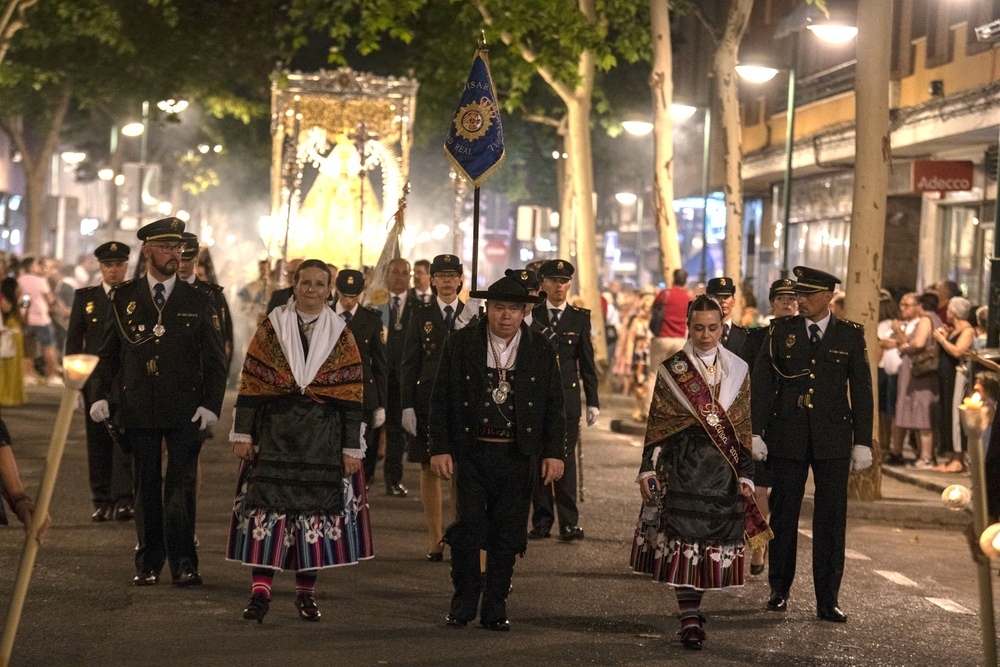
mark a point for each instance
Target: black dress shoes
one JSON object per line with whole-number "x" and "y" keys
{"x": 101, "y": 514}
{"x": 123, "y": 511}
{"x": 831, "y": 613}
{"x": 692, "y": 638}
{"x": 395, "y": 490}
{"x": 257, "y": 607}
{"x": 537, "y": 534}
{"x": 145, "y": 578}
{"x": 502, "y": 625}
{"x": 435, "y": 557}
{"x": 777, "y": 601}
{"x": 308, "y": 611}
{"x": 570, "y": 533}
{"x": 453, "y": 621}
{"x": 756, "y": 569}
{"x": 188, "y": 577}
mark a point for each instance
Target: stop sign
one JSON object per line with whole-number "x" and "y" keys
{"x": 496, "y": 250}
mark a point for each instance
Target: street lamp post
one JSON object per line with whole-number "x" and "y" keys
{"x": 837, "y": 32}
{"x": 706, "y": 157}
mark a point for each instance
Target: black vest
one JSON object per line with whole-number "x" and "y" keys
{"x": 499, "y": 420}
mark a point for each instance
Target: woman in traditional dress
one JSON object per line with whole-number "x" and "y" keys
{"x": 11, "y": 369}
{"x": 695, "y": 479}
{"x": 300, "y": 501}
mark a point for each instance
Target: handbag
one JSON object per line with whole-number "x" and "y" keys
{"x": 926, "y": 361}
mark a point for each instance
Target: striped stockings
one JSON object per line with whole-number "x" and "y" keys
{"x": 689, "y": 602}
{"x": 305, "y": 582}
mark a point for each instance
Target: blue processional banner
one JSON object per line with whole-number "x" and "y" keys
{"x": 475, "y": 139}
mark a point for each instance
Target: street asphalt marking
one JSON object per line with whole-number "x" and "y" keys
{"x": 855, "y": 555}
{"x": 950, "y": 605}
{"x": 807, "y": 533}
{"x": 897, "y": 578}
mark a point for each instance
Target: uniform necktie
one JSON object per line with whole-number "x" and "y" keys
{"x": 158, "y": 297}
{"x": 449, "y": 318}
{"x": 555, "y": 317}
{"x": 725, "y": 333}
{"x": 814, "y": 333}
{"x": 347, "y": 316}
{"x": 394, "y": 311}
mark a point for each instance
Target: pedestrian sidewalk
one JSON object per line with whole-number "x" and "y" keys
{"x": 910, "y": 498}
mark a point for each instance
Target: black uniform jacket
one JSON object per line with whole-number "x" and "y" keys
{"x": 218, "y": 298}
{"x": 85, "y": 331}
{"x": 162, "y": 380}
{"x": 456, "y": 405}
{"x": 576, "y": 351}
{"x": 755, "y": 341}
{"x": 395, "y": 338}
{"x": 366, "y": 325}
{"x": 425, "y": 337}
{"x": 737, "y": 342}
{"x": 799, "y": 396}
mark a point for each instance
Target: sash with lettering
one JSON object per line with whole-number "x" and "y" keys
{"x": 721, "y": 432}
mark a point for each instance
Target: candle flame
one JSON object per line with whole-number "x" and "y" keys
{"x": 976, "y": 398}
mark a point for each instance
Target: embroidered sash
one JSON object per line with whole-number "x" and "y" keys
{"x": 721, "y": 432}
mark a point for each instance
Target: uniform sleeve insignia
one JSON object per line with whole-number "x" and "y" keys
{"x": 790, "y": 341}
{"x": 89, "y": 307}
{"x": 130, "y": 308}
{"x": 215, "y": 321}
{"x": 428, "y": 327}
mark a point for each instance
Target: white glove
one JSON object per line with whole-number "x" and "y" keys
{"x": 758, "y": 449}
{"x": 206, "y": 416}
{"x": 472, "y": 307}
{"x": 410, "y": 421}
{"x": 378, "y": 417}
{"x": 861, "y": 457}
{"x": 592, "y": 413}
{"x": 100, "y": 411}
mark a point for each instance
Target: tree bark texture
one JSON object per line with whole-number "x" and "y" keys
{"x": 724, "y": 71}
{"x": 662, "y": 88}
{"x": 871, "y": 180}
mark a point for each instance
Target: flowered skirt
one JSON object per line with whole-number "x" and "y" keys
{"x": 699, "y": 564}
{"x": 265, "y": 538}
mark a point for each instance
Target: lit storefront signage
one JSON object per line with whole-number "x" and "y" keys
{"x": 941, "y": 175}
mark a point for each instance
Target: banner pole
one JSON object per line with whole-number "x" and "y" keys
{"x": 475, "y": 240}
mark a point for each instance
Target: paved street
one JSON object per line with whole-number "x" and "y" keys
{"x": 571, "y": 604}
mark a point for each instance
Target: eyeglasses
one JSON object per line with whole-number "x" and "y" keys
{"x": 168, "y": 248}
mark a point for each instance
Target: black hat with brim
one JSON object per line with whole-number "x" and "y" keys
{"x": 811, "y": 281}
{"x": 507, "y": 290}
{"x": 723, "y": 286}
{"x": 556, "y": 268}
{"x": 781, "y": 286}
{"x": 446, "y": 263}
{"x": 112, "y": 251}
{"x": 190, "y": 249}
{"x": 526, "y": 277}
{"x": 165, "y": 229}
{"x": 350, "y": 282}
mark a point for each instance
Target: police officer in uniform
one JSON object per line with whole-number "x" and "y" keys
{"x": 734, "y": 337}
{"x": 496, "y": 418}
{"x": 109, "y": 467}
{"x": 187, "y": 271}
{"x": 401, "y": 304}
{"x": 430, "y": 325}
{"x": 529, "y": 280}
{"x": 366, "y": 325}
{"x": 163, "y": 352}
{"x": 576, "y": 362}
{"x": 812, "y": 405}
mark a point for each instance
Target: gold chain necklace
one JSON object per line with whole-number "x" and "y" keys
{"x": 503, "y": 387}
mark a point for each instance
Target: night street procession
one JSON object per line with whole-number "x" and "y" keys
{"x": 502, "y": 332}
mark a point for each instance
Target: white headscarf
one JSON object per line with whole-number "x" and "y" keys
{"x": 326, "y": 331}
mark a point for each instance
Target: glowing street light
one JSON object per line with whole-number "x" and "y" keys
{"x": 637, "y": 128}
{"x": 626, "y": 198}
{"x": 681, "y": 112}
{"x": 756, "y": 73}
{"x": 106, "y": 174}
{"x": 172, "y": 106}
{"x": 133, "y": 129}
{"x": 73, "y": 157}
{"x": 833, "y": 33}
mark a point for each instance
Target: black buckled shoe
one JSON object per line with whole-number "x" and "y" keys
{"x": 308, "y": 611}
{"x": 188, "y": 577}
{"x": 435, "y": 556}
{"x": 101, "y": 514}
{"x": 145, "y": 578}
{"x": 499, "y": 625}
{"x": 537, "y": 534}
{"x": 396, "y": 490}
{"x": 570, "y": 533}
{"x": 692, "y": 638}
{"x": 123, "y": 511}
{"x": 257, "y": 607}
{"x": 831, "y": 613}
{"x": 777, "y": 601}
{"x": 453, "y": 621}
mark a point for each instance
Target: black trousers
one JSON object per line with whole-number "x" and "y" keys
{"x": 829, "y": 523}
{"x": 494, "y": 482}
{"x": 165, "y": 506}
{"x": 559, "y": 498}
{"x": 109, "y": 467}
{"x": 395, "y": 436}
{"x": 371, "y": 446}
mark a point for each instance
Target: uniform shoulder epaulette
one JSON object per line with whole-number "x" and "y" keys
{"x": 426, "y": 305}
{"x": 577, "y": 309}
{"x": 854, "y": 324}
{"x": 90, "y": 288}
{"x": 373, "y": 311}
{"x": 122, "y": 287}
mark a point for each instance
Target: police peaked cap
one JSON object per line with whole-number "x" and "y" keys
{"x": 350, "y": 282}
{"x": 190, "y": 249}
{"x": 781, "y": 286}
{"x": 165, "y": 229}
{"x": 508, "y": 290}
{"x": 446, "y": 263}
{"x": 112, "y": 251}
{"x": 811, "y": 281}
{"x": 721, "y": 287}
{"x": 555, "y": 268}
{"x": 526, "y": 277}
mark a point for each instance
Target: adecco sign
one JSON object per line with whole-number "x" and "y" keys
{"x": 941, "y": 175}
